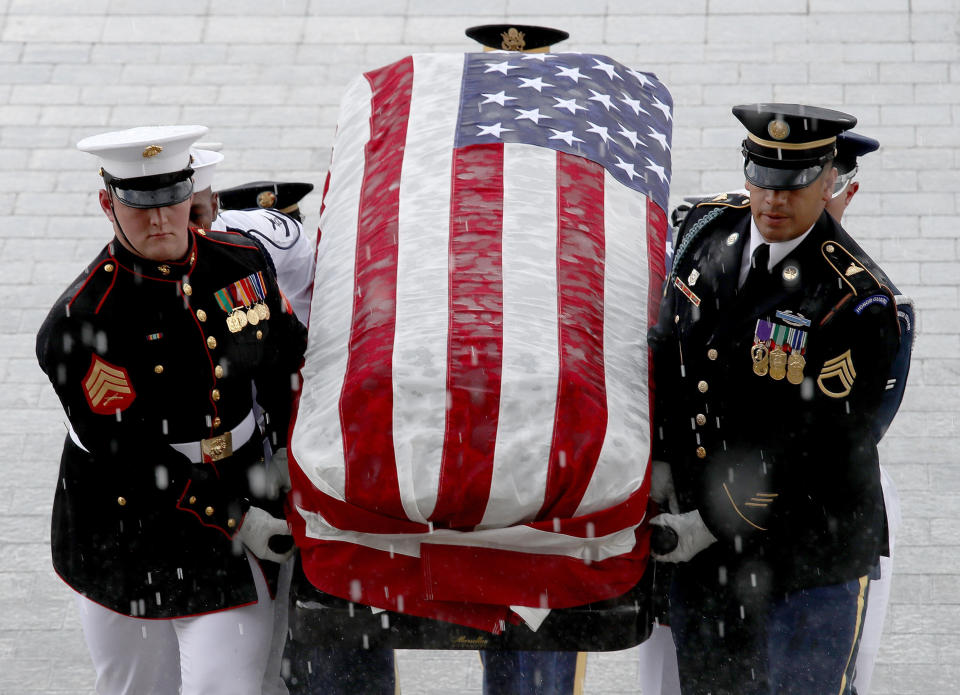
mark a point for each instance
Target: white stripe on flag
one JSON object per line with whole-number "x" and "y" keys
{"x": 420, "y": 340}
{"x": 522, "y": 539}
{"x": 317, "y": 442}
{"x": 626, "y": 446}
{"x": 530, "y": 334}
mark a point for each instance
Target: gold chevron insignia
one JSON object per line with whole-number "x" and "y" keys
{"x": 762, "y": 499}
{"x": 840, "y": 369}
{"x": 107, "y": 387}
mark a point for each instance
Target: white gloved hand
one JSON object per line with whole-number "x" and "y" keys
{"x": 692, "y": 535}
{"x": 256, "y": 530}
{"x": 661, "y": 487}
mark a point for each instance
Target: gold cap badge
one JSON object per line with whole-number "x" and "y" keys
{"x": 512, "y": 40}
{"x": 778, "y": 129}
{"x": 152, "y": 150}
{"x": 266, "y": 199}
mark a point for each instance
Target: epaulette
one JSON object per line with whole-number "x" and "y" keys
{"x": 727, "y": 200}
{"x": 226, "y": 237}
{"x": 851, "y": 269}
{"x": 89, "y": 291}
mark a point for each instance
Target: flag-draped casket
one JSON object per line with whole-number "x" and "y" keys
{"x": 473, "y": 427}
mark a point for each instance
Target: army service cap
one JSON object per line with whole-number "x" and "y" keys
{"x": 850, "y": 145}
{"x": 205, "y": 161}
{"x": 788, "y": 145}
{"x": 146, "y": 167}
{"x": 516, "y": 37}
{"x": 284, "y": 196}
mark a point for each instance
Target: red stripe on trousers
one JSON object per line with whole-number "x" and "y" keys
{"x": 580, "y": 420}
{"x": 366, "y": 402}
{"x": 475, "y": 342}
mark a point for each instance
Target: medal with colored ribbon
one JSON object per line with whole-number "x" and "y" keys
{"x": 778, "y": 356}
{"x": 797, "y": 340}
{"x": 243, "y": 301}
{"x": 759, "y": 353}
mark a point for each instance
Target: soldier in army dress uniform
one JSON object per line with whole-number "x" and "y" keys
{"x": 771, "y": 355}
{"x": 163, "y": 522}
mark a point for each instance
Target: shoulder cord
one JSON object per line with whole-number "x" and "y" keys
{"x": 688, "y": 239}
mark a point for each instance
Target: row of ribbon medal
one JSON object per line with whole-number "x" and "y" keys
{"x": 778, "y": 350}
{"x": 244, "y": 302}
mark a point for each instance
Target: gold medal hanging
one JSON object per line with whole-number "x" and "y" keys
{"x": 778, "y": 364}
{"x": 759, "y": 352}
{"x": 253, "y": 318}
{"x": 232, "y": 324}
{"x": 761, "y": 359}
{"x": 795, "y": 365}
{"x": 262, "y": 311}
{"x": 796, "y": 362}
{"x": 778, "y": 358}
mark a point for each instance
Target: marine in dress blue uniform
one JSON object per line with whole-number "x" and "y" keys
{"x": 768, "y": 391}
{"x": 162, "y": 510}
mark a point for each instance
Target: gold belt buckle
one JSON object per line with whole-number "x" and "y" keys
{"x": 217, "y": 448}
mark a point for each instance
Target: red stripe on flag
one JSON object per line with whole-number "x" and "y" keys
{"x": 580, "y": 420}
{"x": 475, "y": 342}
{"x": 657, "y": 269}
{"x": 366, "y": 405}
{"x": 656, "y": 258}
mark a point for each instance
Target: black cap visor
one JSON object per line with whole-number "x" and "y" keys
{"x": 152, "y": 191}
{"x": 780, "y": 179}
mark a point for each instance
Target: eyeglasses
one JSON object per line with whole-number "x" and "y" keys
{"x": 843, "y": 180}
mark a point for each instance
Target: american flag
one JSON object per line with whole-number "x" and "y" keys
{"x": 473, "y": 426}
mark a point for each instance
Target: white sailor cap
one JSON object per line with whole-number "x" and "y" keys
{"x": 148, "y": 166}
{"x": 205, "y": 161}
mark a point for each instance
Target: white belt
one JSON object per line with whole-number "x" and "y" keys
{"x": 215, "y": 448}
{"x": 220, "y": 446}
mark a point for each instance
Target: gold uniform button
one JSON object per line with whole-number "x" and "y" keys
{"x": 193, "y": 499}
{"x": 208, "y": 511}
{"x": 215, "y": 394}
{"x": 201, "y": 315}
{"x": 211, "y": 342}
{"x": 701, "y": 419}
{"x": 216, "y": 422}
{"x": 122, "y": 501}
{"x": 702, "y": 387}
{"x": 108, "y": 268}
{"x": 218, "y": 371}
{"x": 701, "y": 452}
{"x": 187, "y": 290}
{"x": 231, "y": 523}
{"x": 828, "y": 248}
{"x": 259, "y": 335}
{"x": 676, "y": 319}
{"x": 158, "y": 369}
{"x": 712, "y": 354}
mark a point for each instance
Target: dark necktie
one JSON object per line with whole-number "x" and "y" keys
{"x": 758, "y": 274}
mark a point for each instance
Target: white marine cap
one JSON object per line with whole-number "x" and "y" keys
{"x": 143, "y": 151}
{"x": 204, "y": 163}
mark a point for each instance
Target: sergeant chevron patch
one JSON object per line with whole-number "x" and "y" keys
{"x": 837, "y": 372}
{"x": 107, "y": 387}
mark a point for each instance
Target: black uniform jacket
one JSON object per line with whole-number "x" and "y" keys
{"x": 141, "y": 355}
{"x": 782, "y": 472}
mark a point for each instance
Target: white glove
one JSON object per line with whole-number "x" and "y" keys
{"x": 661, "y": 487}
{"x": 692, "y": 534}
{"x": 256, "y": 531}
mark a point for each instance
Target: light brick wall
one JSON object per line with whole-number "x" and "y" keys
{"x": 267, "y": 78}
